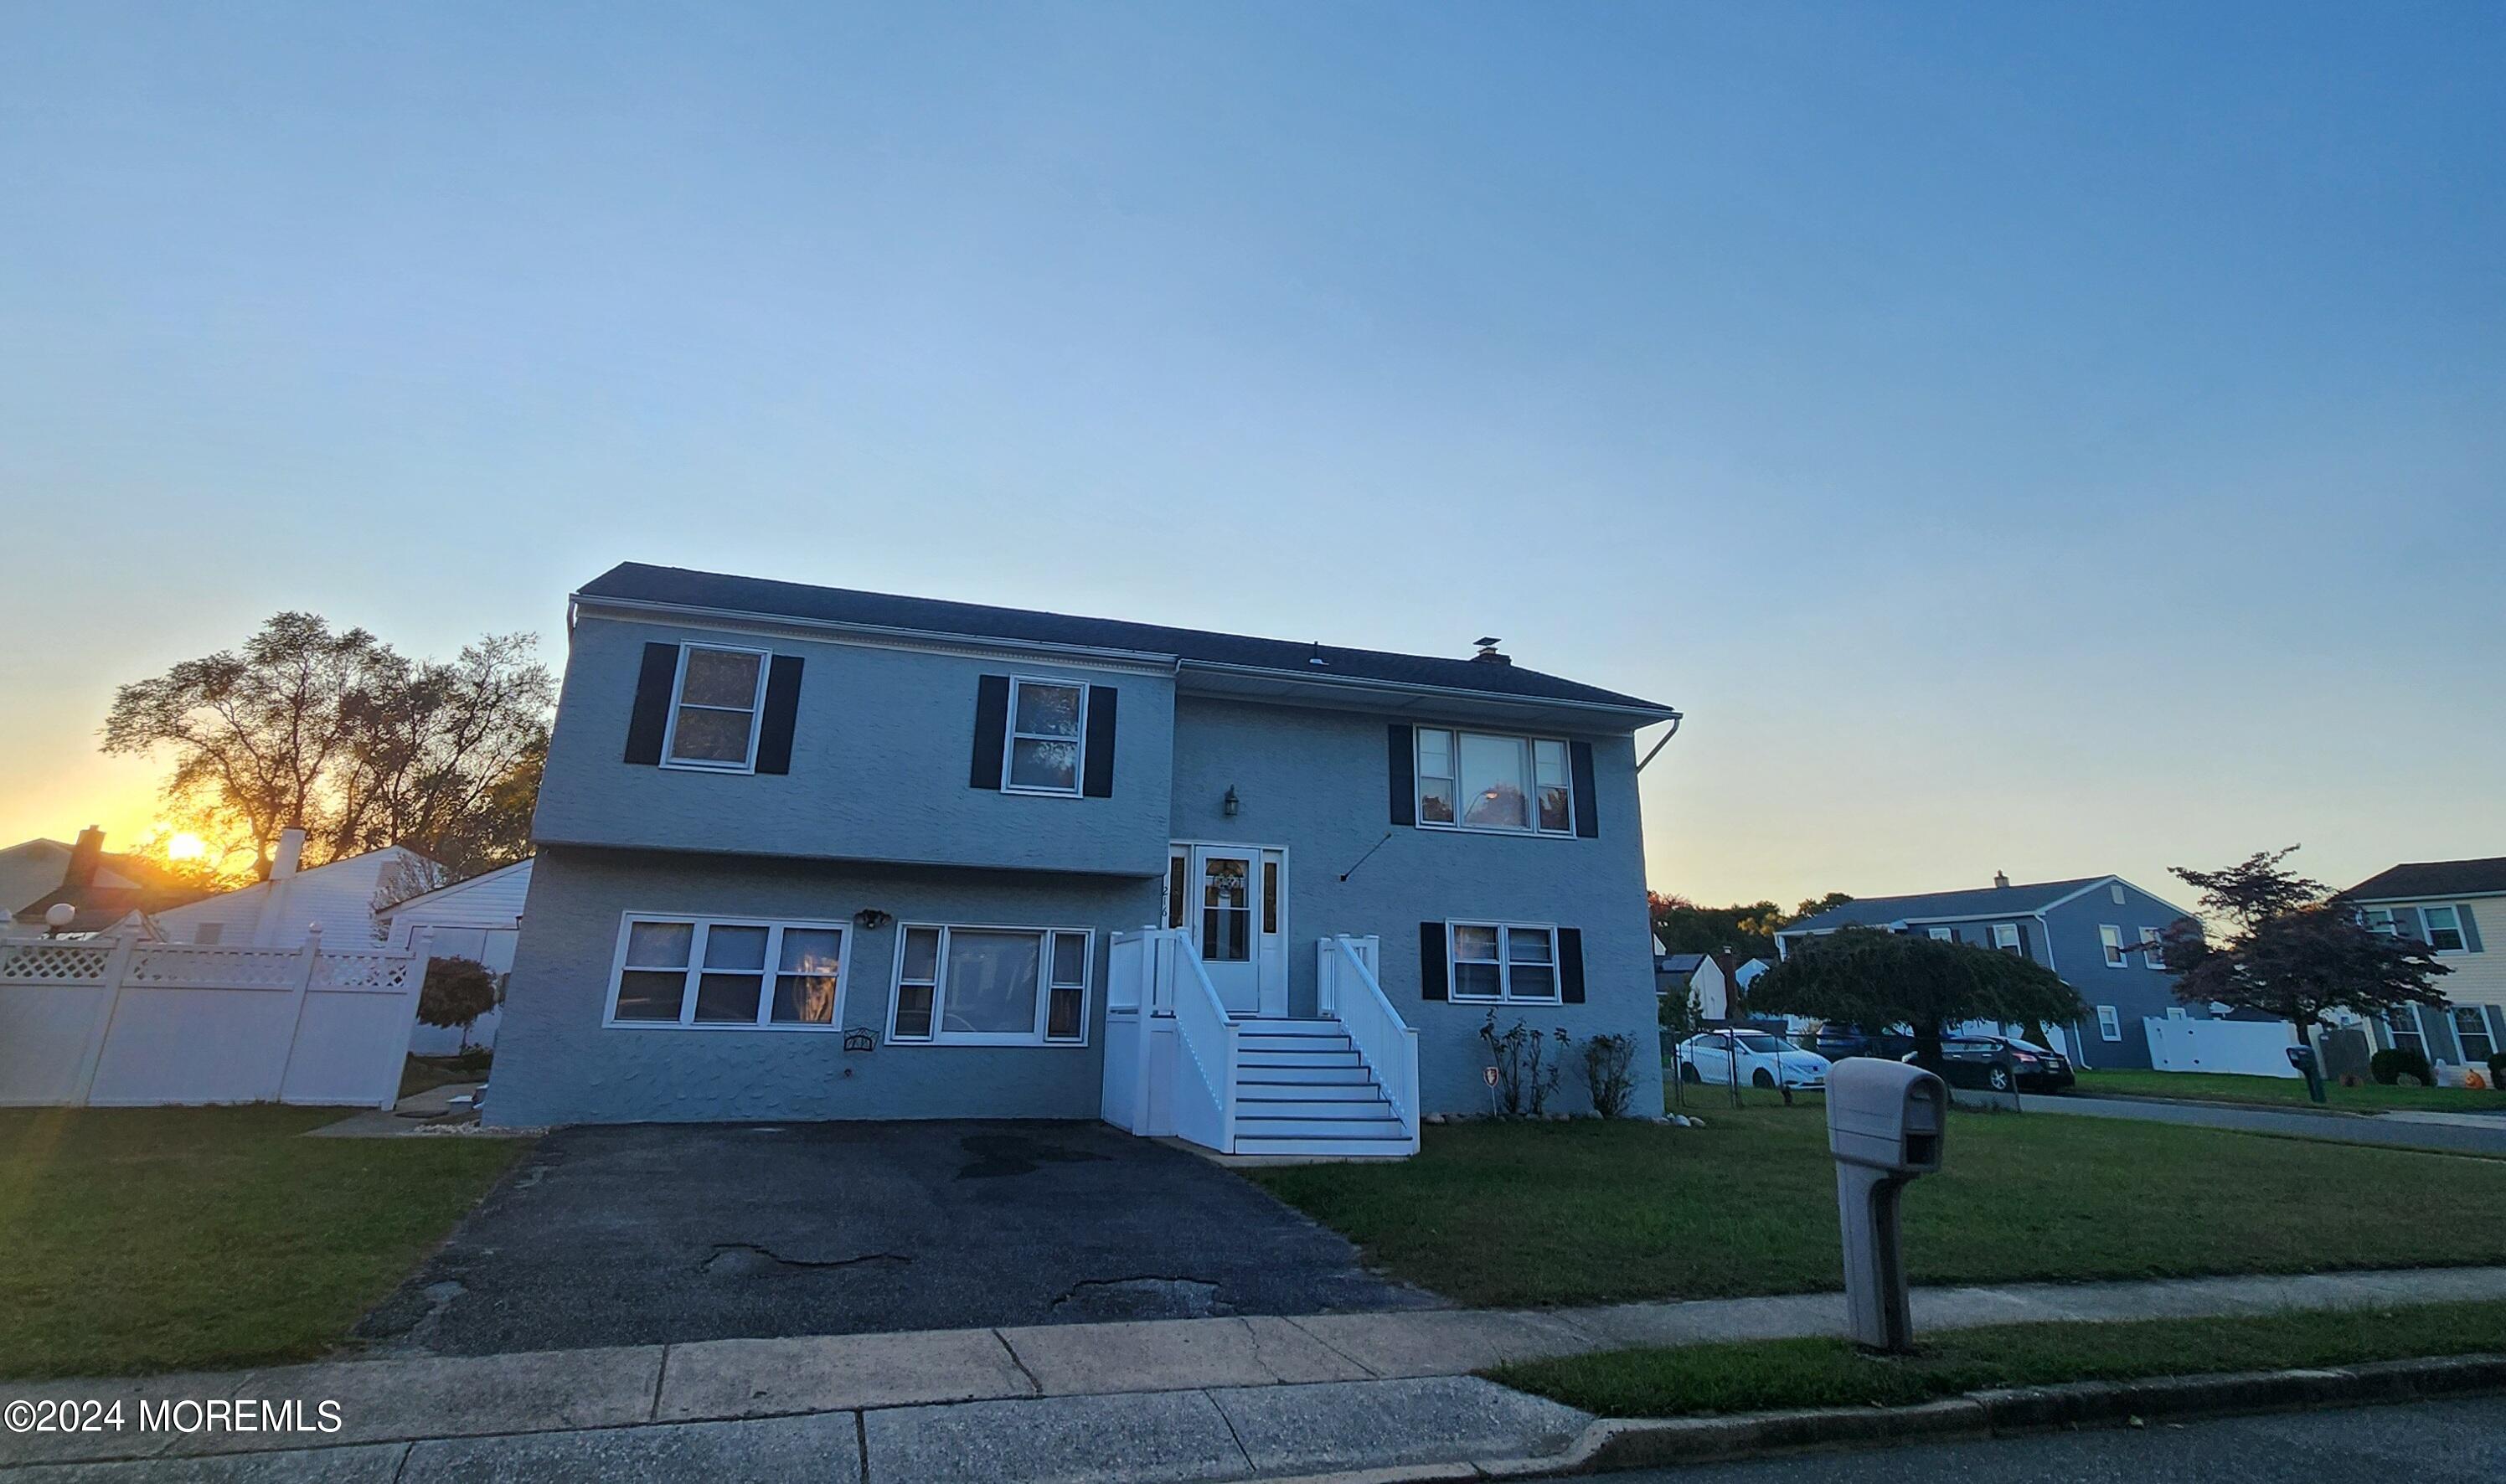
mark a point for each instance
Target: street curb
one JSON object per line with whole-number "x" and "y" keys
{"x": 2017, "y": 1410}
{"x": 1617, "y": 1443}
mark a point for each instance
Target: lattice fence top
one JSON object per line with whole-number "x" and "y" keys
{"x": 46, "y": 962}
{"x": 362, "y": 971}
{"x": 194, "y": 966}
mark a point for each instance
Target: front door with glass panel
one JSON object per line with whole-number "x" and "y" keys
{"x": 1229, "y": 898}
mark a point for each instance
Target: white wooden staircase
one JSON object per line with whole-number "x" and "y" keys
{"x": 1303, "y": 1088}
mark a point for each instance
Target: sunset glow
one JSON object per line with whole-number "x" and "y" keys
{"x": 185, "y": 847}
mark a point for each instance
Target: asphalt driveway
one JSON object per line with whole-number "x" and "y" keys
{"x": 661, "y": 1233}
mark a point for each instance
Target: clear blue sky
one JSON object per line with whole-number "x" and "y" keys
{"x": 2052, "y": 439}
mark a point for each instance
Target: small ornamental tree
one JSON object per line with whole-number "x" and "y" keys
{"x": 456, "y": 993}
{"x": 2294, "y": 949}
{"x": 1875, "y": 980}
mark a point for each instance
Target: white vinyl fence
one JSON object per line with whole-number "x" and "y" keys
{"x": 2253, "y": 1048}
{"x": 124, "y": 1023}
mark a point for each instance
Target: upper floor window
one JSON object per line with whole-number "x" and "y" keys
{"x": 718, "y": 973}
{"x": 1942, "y": 935}
{"x": 713, "y": 708}
{"x": 2110, "y": 938}
{"x": 1047, "y": 736}
{"x": 991, "y": 986}
{"x": 1472, "y": 779}
{"x": 2379, "y": 920}
{"x": 1504, "y": 962}
{"x": 2155, "y": 947}
{"x": 2443, "y": 927}
{"x": 2005, "y": 935}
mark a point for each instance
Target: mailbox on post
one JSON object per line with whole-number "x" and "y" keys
{"x": 1884, "y": 1124}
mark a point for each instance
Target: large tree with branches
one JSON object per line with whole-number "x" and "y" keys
{"x": 2293, "y": 949}
{"x": 336, "y": 733}
{"x": 1874, "y": 979}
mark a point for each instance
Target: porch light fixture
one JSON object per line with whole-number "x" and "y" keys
{"x": 870, "y": 919}
{"x": 1231, "y": 803}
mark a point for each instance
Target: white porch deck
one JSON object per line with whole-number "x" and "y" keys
{"x": 1178, "y": 1063}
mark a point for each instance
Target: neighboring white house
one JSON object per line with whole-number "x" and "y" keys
{"x": 1697, "y": 976}
{"x": 343, "y": 898}
{"x": 479, "y": 918}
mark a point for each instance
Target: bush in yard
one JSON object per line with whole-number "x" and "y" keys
{"x": 456, "y": 993}
{"x": 2498, "y": 1070}
{"x": 1871, "y": 978}
{"x": 1608, "y": 1069}
{"x": 1526, "y": 1076}
{"x": 2390, "y": 1065}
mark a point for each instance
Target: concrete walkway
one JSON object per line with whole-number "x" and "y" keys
{"x": 1209, "y": 1399}
{"x": 2449, "y": 1138}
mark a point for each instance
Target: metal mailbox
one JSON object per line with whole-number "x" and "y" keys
{"x": 1885, "y": 1114}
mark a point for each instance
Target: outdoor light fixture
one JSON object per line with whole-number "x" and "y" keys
{"x": 870, "y": 918}
{"x": 1231, "y": 803}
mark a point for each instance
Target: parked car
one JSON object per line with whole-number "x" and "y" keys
{"x": 1838, "y": 1041}
{"x": 1762, "y": 1060}
{"x": 2000, "y": 1063}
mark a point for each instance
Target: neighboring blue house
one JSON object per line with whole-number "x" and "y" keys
{"x": 2098, "y": 932}
{"x": 811, "y": 853}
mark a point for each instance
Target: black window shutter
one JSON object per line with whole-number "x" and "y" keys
{"x": 991, "y": 730}
{"x": 2027, "y": 949}
{"x": 1401, "y": 753}
{"x": 1431, "y": 957}
{"x": 651, "y": 719}
{"x": 782, "y": 708}
{"x": 1579, "y": 763}
{"x": 1099, "y": 782}
{"x": 1570, "y": 964}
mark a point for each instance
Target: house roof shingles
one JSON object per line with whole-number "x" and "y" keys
{"x": 679, "y": 587}
{"x": 1982, "y": 901}
{"x": 2434, "y": 878}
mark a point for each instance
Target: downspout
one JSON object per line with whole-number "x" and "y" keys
{"x": 2079, "y": 1031}
{"x": 1675, "y": 719}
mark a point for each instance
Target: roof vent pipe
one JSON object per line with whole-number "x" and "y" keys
{"x": 1488, "y": 654}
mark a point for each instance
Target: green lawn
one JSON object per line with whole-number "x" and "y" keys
{"x": 2228, "y": 1087}
{"x": 1498, "y": 1214}
{"x": 1765, "y": 1375}
{"x": 165, "y": 1239}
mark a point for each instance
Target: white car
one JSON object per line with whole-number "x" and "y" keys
{"x": 1762, "y": 1060}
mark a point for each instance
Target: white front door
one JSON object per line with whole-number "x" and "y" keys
{"x": 1228, "y": 897}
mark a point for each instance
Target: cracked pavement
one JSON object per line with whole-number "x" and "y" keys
{"x": 665, "y": 1234}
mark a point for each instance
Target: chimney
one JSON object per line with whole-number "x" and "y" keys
{"x": 291, "y": 850}
{"x": 2001, "y": 880}
{"x": 85, "y": 856}
{"x": 1488, "y": 654}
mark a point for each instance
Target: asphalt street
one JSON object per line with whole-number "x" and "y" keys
{"x": 2427, "y": 1442}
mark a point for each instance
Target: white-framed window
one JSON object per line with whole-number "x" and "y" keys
{"x": 2442, "y": 927}
{"x": 714, "y": 705}
{"x": 1942, "y": 935}
{"x": 972, "y": 986}
{"x": 2110, "y": 938}
{"x": 2403, "y": 1025}
{"x": 2114, "y": 892}
{"x": 1046, "y": 750}
{"x": 2379, "y": 920}
{"x": 2109, "y": 1024}
{"x": 2154, "y": 948}
{"x": 2005, "y": 936}
{"x": 2471, "y": 1029}
{"x": 688, "y": 972}
{"x": 1503, "y": 963}
{"x": 1473, "y": 780}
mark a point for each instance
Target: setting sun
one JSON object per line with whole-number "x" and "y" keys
{"x": 185, "y": 847}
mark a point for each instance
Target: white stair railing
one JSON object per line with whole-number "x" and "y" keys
{"x": 1348, "y": 992}
{"x": 1205, "y": 1082}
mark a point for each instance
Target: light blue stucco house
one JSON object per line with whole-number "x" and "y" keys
{"x": 814, "y": 853}
{"x": 2098, "y": 932}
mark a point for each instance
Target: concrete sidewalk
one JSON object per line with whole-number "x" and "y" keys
{"x": 2485, "y": 1137}
{"x": 1205, "y": 1400}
